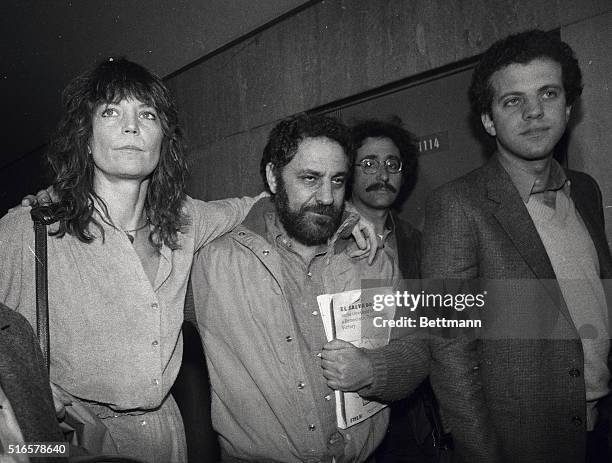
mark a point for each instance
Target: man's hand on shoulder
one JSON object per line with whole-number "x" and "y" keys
{"x": 346, "y": 367}
{"x": 365, "y": 236}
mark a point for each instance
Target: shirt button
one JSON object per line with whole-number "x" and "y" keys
{"x": 315, "y": 312}
{"x": 155, "y": 305}
{"x": 143, "y": 422}
{"x": 312, "y": 427}
{"x": 155, "y": 381}
{"x": 328, "y": 397}
{"x": 289, "y": 339}
{"x": 266, "y": 252}
{"x": 577, "y": 421}
{"x": 319, "y": 355}
{"x": 301, "y": 385}
{"x": 574, "y": 373}
{"x": 309, "y": 274}
{"x": 155, "y": 343}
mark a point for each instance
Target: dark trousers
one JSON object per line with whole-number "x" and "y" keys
{"x": 411, "y": 436}
{"x": 598, "y": 444}
{"x": 191, "y": 391}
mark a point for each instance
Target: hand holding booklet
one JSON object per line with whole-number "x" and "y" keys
{"x": 349, "y": 316}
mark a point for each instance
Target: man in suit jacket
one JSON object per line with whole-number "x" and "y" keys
{"x": 27, "y": 414}
{"x": 383, "y": 174}
{"x": 533, "y": 232}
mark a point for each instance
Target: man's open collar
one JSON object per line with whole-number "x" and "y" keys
{"x": 527, "y": 183}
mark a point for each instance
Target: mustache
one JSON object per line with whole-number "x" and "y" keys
{"x": 381, "y": 186}
{"x": 323, "y": 209}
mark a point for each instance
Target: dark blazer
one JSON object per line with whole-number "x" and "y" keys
{"x": 451, "y": 363}
{"x": 408, "y": 241}
{"x": 25, "y": 381}
{"x": 477, "y": 227}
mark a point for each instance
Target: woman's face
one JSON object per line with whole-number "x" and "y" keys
{"x": 126, "y": 139}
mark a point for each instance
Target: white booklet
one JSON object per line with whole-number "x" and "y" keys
{"x": 350, "y": 316}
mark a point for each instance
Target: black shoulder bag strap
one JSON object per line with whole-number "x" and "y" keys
{"x": 42, "y": 216}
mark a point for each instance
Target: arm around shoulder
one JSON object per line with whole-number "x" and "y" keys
{"x": 211, "y": 219}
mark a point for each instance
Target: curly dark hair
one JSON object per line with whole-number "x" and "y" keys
{"x": 285, "y": 137}
{"x": 401, "y": 138}
{"x": 110, "y": 82}
{"x": 523, "y": 48}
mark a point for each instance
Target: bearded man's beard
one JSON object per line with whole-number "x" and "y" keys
{"x": 302, "y": 225}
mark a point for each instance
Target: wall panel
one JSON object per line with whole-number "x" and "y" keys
{"x": 228, "y": 167}
{"x": 336, "y": 49}
{"x": 590, "y": 143}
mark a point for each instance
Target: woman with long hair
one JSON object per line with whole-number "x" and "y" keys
{"x": 119, "y": 256}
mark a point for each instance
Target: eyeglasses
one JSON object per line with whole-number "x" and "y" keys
{"x": 371, "y": 166}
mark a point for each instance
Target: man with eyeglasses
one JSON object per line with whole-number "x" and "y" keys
{"x": 384, "y": 171}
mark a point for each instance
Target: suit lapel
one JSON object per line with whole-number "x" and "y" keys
{"x": 588, "y": 208}
{"x": 512, "y": 215}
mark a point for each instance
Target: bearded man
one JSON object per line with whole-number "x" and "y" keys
{"x": 255, "y": 296}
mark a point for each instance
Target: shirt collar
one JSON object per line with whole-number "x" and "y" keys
{"x": 389, "y": 230}
{"x": 527, "y": 183}
{"x": 108, "y": 228}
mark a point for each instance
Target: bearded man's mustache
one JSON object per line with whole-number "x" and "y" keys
{"x": 322, "y": 209}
